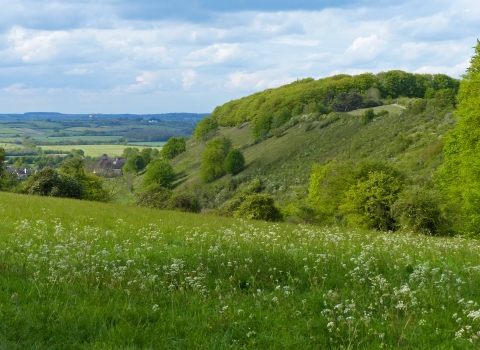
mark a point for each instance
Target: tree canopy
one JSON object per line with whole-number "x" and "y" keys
{"x": 459, "y": 178}
{"x": 159, "y": 172}
{"x": 174, "y": 147}
{"x": 204, "y": 127}
{"x": 134, "y": 164}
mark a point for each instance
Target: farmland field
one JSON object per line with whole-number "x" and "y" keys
{"x": 95, "y": 150}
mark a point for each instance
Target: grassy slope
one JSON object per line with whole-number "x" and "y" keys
{"x": 87, "y": 275}
{"x": 284, "y": 164}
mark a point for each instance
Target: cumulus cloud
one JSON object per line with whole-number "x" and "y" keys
{"x": 217, "y": 53}
{"x": 256, "y": 81}
{"x": 96, "y": 51}
{"x": 366, "y": 47}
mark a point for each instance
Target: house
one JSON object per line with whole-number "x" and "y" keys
{"x": 21, "y": 174}
{"x": 109, "y": 167}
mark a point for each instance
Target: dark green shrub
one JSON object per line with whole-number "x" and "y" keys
{"x": 48, "y": 182}
{"x": 185, "y": 202}
{"x": 418, "y": 106}
{"x": 259, "y": 207}
{"x": 309, "y": 126}
{"x": 234, "y": 162}
{"x": 418, "y": 209}
{"x": 154, "y": 196}
{"x": 250, "y": 187}
{"x": 229, "y": 207}
{"x": 368, "y": 116}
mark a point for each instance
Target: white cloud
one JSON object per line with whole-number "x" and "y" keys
{"x": 366, "y": 47}
{"x": 79, "y": 71}
{"x": 243, "y": 81}
{"x": 17, "y": 89}
{"x": 188, "y": 79}
{"x": 224, "y": 56}
{"x": 217, "y": 53}
{"x": 296, "y": 42}
{"x": 453, "y": 71}
{"x": 146, "y": 82}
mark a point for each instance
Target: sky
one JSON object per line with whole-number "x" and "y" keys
{"x": 158, "y": 56}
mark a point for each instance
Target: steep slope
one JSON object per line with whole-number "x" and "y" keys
{"x": 410, "y": 139}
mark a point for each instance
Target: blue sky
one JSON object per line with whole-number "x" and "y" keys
{"x": 119, "y": 56}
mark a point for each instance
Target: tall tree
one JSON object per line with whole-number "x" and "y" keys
{"x": 459, "y": 177}
{"x": 213, "y": 158}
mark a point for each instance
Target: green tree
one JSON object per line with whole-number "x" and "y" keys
{"x": 234, "y": 162}
{"x": 213, "y": 158}
{"x": 204, "y": 127}
{"x": 174, "y": 147}
{"x": 459, "y": 177}
{"x": 155, "y": 153}
{"x": 91, "y": 185}
{"x": 48, "y": 182}
{"x": 368, "y": 204}
{"x": 134, "y": 165}
{"x": 146, "y": 154}
{"x": 159, "y": 172}
{"x": 262, "y": 125}
{"x": 130, "y": 152}
{"x": 328, "y": 184}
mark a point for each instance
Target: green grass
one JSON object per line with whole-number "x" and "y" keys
{"x": 393, "y": 109}
{"x": 95, "y": 150}
{"x": 77, "y": 274}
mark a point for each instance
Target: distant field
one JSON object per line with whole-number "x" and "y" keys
{"x": 389, "y": 108}
{"x": 95, "y": 150}
{"x": 147, "y": 144}
{"x": 75, "y": 138}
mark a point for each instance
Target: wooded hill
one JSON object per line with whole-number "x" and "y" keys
{"x": 284, "y": 132}
{"x": 339, "y": 93}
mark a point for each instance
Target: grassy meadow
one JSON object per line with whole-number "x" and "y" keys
{"x": 392, "y": 109}
{"x": 83, "y": 275}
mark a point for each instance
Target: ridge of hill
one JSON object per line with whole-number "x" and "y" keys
{"x": 336, "y": 93}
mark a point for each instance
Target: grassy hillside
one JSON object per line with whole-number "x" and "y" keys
{"x": 76, "y": 274}
{"x": 410, "y": 142}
